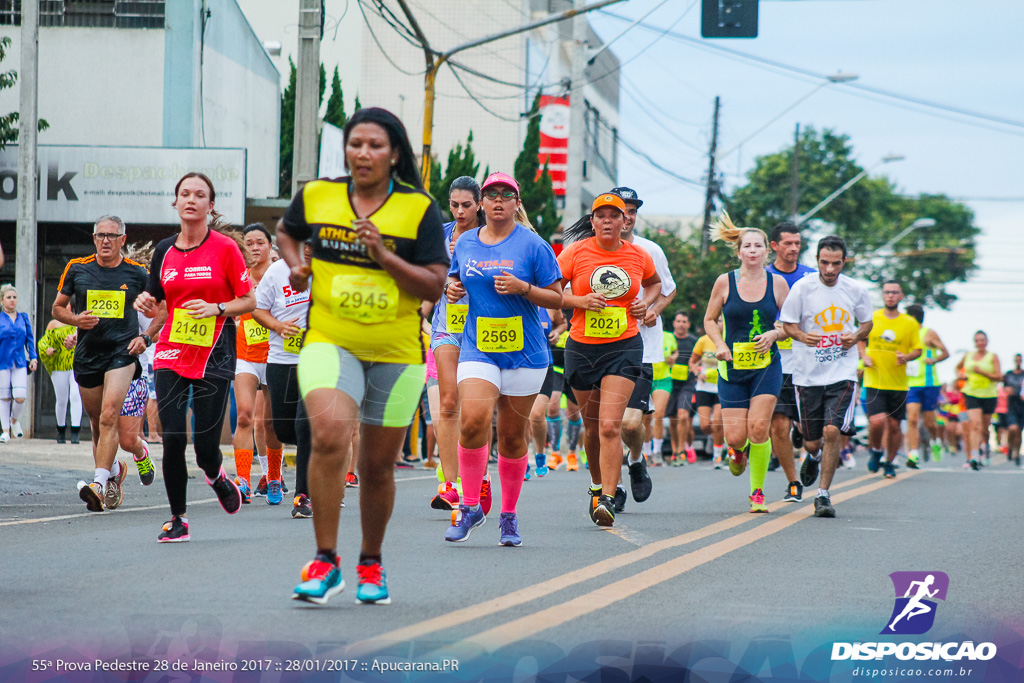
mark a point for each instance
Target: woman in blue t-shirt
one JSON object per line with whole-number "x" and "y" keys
{"x": 16, "y": 342}
{"x": 507, "y": 271}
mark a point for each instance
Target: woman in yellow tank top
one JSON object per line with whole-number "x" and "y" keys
{"x": 981, "y": 393}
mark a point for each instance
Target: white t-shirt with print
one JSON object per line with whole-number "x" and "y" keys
{"x": 275, "y": 294}
{"x": 651, "y": 336}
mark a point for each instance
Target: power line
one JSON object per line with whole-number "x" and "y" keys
{"x": 381, "y": 47}
{"x": 655, "y": 164}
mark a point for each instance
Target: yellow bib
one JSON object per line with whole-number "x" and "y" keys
{"x": 744, "y": 357}
{"x": 456, "y": 318}
{"x": 680, "y": 372}
{"x": 609, "y": 322}
{"x": 499, "y": 335}
{"x": 366, "y": 297}
{"x": 293, "y": 344}
{"x": 255, "y": 333}
{"x": 785, "y": 343}
{"x": 188, "y": 330}
{"x": 105, "y": 303}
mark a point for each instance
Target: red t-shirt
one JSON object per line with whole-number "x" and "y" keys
{"x": 215, "y": 272}
{"x": 615, "y": 274}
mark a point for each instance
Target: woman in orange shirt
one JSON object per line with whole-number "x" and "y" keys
{"x": 604, "y": 353}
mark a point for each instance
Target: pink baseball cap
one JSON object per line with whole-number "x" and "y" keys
{"x": 498, "y": 178}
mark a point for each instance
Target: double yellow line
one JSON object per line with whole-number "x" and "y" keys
{"x": 600, "y": 598}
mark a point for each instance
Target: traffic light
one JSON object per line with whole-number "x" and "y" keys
{"x": 729, "y": 19}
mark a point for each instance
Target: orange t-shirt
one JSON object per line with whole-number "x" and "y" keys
{"x": 615, "y": 274}
{"x": 251, "y": 340}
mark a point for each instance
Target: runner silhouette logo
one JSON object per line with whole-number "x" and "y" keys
{"x": 916, "y": 595}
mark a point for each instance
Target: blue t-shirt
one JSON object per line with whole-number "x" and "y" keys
{"x": 16, "y": 341}
{"x": 523, "y": 254}
{"x": 547, "y": 325}
{"x": 439, "y": 325}
{"x": 791, "y": 278}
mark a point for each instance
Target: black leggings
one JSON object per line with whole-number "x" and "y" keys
{"x": 209, "y": 399}
{"x": 291, "y": 425}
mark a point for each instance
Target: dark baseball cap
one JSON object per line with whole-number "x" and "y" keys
{"x": 628, "y": 195}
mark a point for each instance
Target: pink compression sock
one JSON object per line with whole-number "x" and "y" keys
{"x": 472, "y": 468}
{"x": 512, "y": 473}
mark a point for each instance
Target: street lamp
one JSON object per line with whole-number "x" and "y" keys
{"x": 886, "y": 249}
{"x": 800, "y": 220}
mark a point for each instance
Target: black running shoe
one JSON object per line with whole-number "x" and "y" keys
{"x": 889, "y": 470}
{"x": 823, "y": 507}
{"x": 874, "y": 461}
{"x": 809, "y": 471}
{"x": 794, "y": 492}
{"x": 595, "y": 494}
{"x": 174, "y": 531}
{"x": 301, "y": 507}
{"x": 604, "y": 511}
{"x": 773, "y": 464}
{"x": 797, "y": 437}
{"x": 227, "y": 491}
{"x": 639, "y": 481}
{"x": 619, "y": 500}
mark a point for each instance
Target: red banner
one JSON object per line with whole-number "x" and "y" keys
{"x": 554, "y": 139}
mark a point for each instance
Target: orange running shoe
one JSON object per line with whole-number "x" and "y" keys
{"x": 555, "y": 460}
{"x": 571, "y": 463}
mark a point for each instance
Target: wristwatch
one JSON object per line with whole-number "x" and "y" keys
{"x": 222, "y": 308}
{"x": 146, "y": 338}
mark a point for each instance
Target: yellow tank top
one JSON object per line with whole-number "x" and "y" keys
{"x": 980, "y": 386}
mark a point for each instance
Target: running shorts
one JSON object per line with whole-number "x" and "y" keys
{"x": 90, "y": 375}
{"x": 705, "y": 399}
{"x": 681, "y": 398}
{"x": 510, "y": 382}
{"x": 1015, "y": 412}
{"x": 986, "y": 405}
{"x": 137, "y": 398}
{"x": 259, "y": 370}
{"x": 663, "y": 384}
{"x": 827, "y": 406}
{"x": 587, "y": 364}
{"x": 891, "y": 402}
{"x": 640, "y": 399}
{"x": 549, "y": 382}
{"x": 928, "y": 397}
{"x": 736, "y": 393}
{"x": 442, "y": 338}
{"x": 786, "y": 405}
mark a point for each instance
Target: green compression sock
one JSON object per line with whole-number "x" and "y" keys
{"x": 760, "y": 454}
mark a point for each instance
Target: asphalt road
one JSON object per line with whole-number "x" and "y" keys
{"x": 687, "y": 580}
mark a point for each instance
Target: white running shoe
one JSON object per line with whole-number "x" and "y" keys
{"x": 16, "y": 430}
{"x": 4, "y": 437}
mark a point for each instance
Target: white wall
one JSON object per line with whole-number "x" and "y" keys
{"x": 97, "y": 86}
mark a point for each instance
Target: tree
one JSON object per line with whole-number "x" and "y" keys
{"x": 867, "y": 216}
{"x": 535, "y": 188}
{"x": 287, "y": 148}
{"x": 9, "y": 123}
{"x": 461, "y": 161}
{"x": 335, "y": 114}
{"x": 694, "y": 276}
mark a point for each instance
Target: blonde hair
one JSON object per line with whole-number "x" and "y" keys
{"x": 723, "y": 229}
{"x": 522, "y": 218}
{"x": 140, "y": 253}
{"x": 7, "y": 288}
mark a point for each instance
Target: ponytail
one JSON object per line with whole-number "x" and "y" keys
{"x": 522, "y": 218}
{"x": 723, "y": 229}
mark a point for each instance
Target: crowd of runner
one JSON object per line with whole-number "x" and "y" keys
{"x": 376, "y": 311}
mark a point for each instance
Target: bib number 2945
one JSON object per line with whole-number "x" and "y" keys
{"x": 369, "y": 298}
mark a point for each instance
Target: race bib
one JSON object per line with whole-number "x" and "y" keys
{"x": 293, "y": 344}
{"x": 680, "y": 372}
{"x": 711, "y": 376}
{"x": 785, "y": 343}
{"x": 915, "y": 368}
{"x": 255, "y": 333}
{"x": 456, "y": 321}
{"x": 105, "y": 303}
{"x": 188, "y": 330}
{"x": 365, "y": 298}
{"x": 609, "y": 322}
{"x": 744, "y": 357}
{"x": 499, "y": 335}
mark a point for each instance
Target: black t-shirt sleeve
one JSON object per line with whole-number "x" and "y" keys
{"x": 294, "y": 220}
{"x": 430, "y": 239}
{"x": 155, "y": 285}
{"x": 67, "y": 280}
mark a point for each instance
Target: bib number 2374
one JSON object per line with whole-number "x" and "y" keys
{"x": 744, "y": 357}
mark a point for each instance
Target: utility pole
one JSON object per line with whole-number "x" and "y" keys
{"x": 28, "y": 174}
{"x": 709, "y": 201}
{"x": 307, "y": 94}
{"x": 577, "y": 132}
{"x": 794, "y": 176}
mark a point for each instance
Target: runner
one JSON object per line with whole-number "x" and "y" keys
{"x": 574, "y": 421}
{"x": 981, "y": 391}
{"x": 704, "y": 367}
{"x": 636, "y": 420}
{"x": 378, "y": 251}
{"x": 553, "y": 323}
{"x": 786, "y": 245}
{"x": 252, "y": 344}
{"x": 749, "y": 370}
{"x": 827, "y": 315}
{"x": 680, "y": 407}
{"x": 58, "y": 360}
{"x": 446, "y": 339}
{"x": 923, "y": 392}
{"x": 604, "y": 354}
{"x": 1013, "y": 381}
{"x": 105, "y": 286}
{"x": 283, "y": 311}
{"x": 16, "y": 341}
{"x": 507, "y": 271}
{"x": 200, "y": 277}
{"x": 661, "y": 394}
{"x": 895, "y": 341}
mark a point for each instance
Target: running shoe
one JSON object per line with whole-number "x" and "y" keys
{"x": 572, "y": 464}
{"x": 351, "y": 480}
{"x": 937, "y": 452}
{"x": 301, "y": 507}
{"x": 640, "y": 481}
{"x": 114, "y": 495}
{"x": 147, "y": 473}
{"x": 555, "y": 461}
{"x": 464, "y": 520}
{"x": 889, "y": 470}
{"x": 794, "y": 492}
{"x": 526, "y": 477}
{"x": 321, "y": 581}
{"x": 373, "y": 585}
{"x": 604, "y": 511}
{"x": 542, "y": 468}
{"x": 619, "y": 499}
{"x": 846, "y": 455}
{"x": 284, "y": 486}
{"x": 773, "y": 463}
{"x": 595, "y": 493}
{"x": 912, "y": 462}
{"x": 227, "y": 493}
{"x": 974, "y": 464}
{"x": 243, "y": 487}
{"x": 447, "y": 497}
{"x": 874, "y": 461}
{"x": 92, "y": 495}
{"x": 61, "y": 435}
{"x": 16, "y": 431}
{"x": 757, "y": 501}
{"x": 809, "y": 471}
{"x": 691, "y": 455}
{"x": 76, "y": 435}
{"x": 274, "y": 493}
{"x": 823, "y": 507}
{"x": 486, "y": 499}
{"x": 737, "y": 461}
{"x": 174, "y": 531}
{"x": 261, "y": 487}
{"x": 509, "y": 526}
{"x": 4, "y": 437}
{"x": 717, "y": 460}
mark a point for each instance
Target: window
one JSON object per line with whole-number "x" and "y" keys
{"x": 105, "y": 13}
